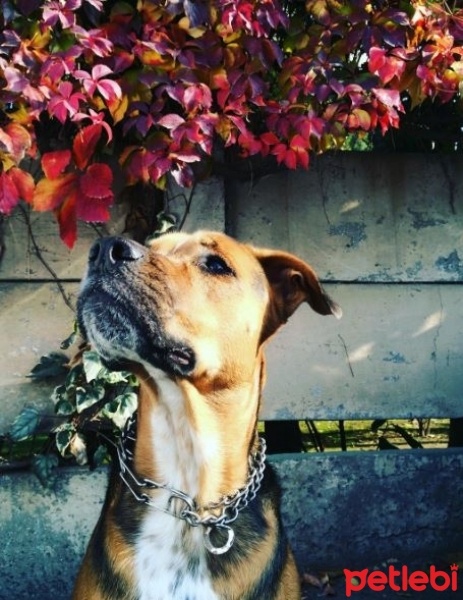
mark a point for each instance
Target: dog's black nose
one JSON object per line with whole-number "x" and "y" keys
{"x": 112, "y": 252}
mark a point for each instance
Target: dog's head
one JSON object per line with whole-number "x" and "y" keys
{"x": 193, "y": 305}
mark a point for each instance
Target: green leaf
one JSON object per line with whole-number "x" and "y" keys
{"x": 132, "y": 380}
{"x": 44, "y": 465}
{"x": 52, "y": 365}
{"x": 113, "y": 377}
{"x": 75, "y": 376}
{"x": 88, "y": 396}
{"x": 59, "y": 393}
{"x": 25, "y": 424}
{"x": 65, "y": 344}
{"x": 64, "y": 408}
{"x": 63, "y": 438}
{"x": 121, "y": 408}
{"x": 166, "y": 222}
{"x": 64, "y": 401}
{"x": 100, "y": 456}
{"x": 92, "y": 365}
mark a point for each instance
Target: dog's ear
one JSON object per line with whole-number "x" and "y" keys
{"x": 292, "y": 282}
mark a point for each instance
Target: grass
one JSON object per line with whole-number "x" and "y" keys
{"x": 359, "y": 435}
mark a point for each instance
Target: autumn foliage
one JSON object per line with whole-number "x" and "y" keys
{"x": 147, "y": 89}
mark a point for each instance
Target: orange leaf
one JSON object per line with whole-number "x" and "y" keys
{"x": 66, "y": 216}
{"x": 24, "y": 183}
{"x": 17, "y": 140}
{"x": 360, "y": 118}
{"x": 50, "y": 193}
{"x": 54, "y": 163}
{"x": 118, "y": 108}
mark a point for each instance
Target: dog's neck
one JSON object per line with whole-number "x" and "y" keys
{"x": 194, "y": 442}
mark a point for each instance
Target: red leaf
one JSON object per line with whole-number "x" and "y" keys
{"x": 109, "y": 89}
{"x": 95, "y": 195}
{"x": 171, "y": 121}
{"x": 137, "y": 162}
{"x": 280, "y": 152}
{"x": 385, "y": 66}
{"x": 377, "y": 58}
{"x": 290, "y": 159}
{"x": 302, "y": 158}
{"x": 9, "y": 194}
{"x": 269, "y": 138}
{"x": 249, "y": 143}
{"x": 298, "y": 142}
{"x": 96, "y": 181}
{"x": 159, "y": 169}
{"x": 54, "y": 163}
{"x": 85, "y": 143}
{"x": 391, "y": 98}
{"x": 197, "y": 96}
{"x": 93, "y": 210}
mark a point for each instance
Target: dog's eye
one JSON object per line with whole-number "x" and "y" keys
{"x": 216, "y": 265}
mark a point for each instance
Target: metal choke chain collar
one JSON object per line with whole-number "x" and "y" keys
{"x": 229, "y": 506}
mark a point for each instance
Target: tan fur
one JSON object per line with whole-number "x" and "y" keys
{"x": 86, "y": 586}
{"x": 120, "y": 554}
{"x": 203, "y": 422}
{"x": 240, "y": 580}
{"x": 289, "y": 587}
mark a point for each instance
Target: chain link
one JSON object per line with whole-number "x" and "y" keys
{"x": 229, "y": 506}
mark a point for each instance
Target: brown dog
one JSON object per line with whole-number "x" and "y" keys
{"x": 190, "y": 513}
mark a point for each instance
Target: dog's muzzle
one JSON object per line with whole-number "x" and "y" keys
{"x": 118, "y": 312}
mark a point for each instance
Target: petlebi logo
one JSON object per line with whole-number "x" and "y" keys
{"x": 402, "y": 580}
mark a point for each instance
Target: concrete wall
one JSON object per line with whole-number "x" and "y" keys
{"x": 386, "y": 237}
{"x": 348, "y": 510}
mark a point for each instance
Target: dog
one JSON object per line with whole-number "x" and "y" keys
{"x": 191, "y": 512}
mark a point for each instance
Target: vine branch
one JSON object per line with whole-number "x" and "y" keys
{"x": 39, "y": 255}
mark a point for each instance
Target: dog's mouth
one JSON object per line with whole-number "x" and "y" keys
{"x": 119, "y": 338}
{"x": 183, "y": 357}
{"x": 120, "y": 331}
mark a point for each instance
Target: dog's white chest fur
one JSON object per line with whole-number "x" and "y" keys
{"x": 165, "y": 570}
{"x": 170, "y": 554}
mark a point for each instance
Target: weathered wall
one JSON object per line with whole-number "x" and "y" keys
{"x": 386, "y": 234}
{"x": 386, "y": 237}
{"x": 341, "y": 511}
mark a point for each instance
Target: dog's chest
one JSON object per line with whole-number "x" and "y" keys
{"x": 171, "y": 561}
{"x": 170, "y": 554}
